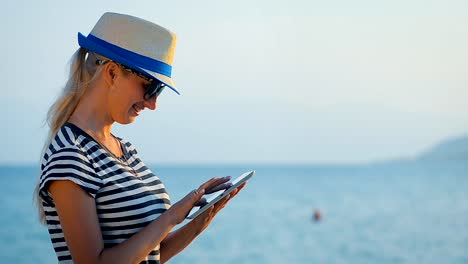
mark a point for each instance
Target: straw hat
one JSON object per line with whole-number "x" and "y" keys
{"x": 135, "y": 43}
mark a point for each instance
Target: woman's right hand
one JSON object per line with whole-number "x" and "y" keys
{"x": 181, "y": 209}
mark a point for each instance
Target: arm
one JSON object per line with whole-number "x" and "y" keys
{"x": 178, "y": 240}
{"x": 79, "y": 221}
{"x": 78, "y": 218}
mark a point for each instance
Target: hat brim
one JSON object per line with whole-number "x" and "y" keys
{"x": 95, "y": 47}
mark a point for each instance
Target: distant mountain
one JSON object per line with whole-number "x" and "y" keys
{"x": 451, "y": 149}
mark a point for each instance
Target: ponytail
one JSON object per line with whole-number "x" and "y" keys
{"x": 82, "y": 72}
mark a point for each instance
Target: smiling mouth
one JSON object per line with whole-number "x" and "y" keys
{"x": 137, "y": 109}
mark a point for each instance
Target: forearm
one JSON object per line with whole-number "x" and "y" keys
{"x": 176, "y": 241}
{"x": 139, "y": 245}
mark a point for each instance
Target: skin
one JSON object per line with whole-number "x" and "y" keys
{"x": 117, "y": 96}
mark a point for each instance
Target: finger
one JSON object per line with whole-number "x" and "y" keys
{"x": 195, "y": 195}
{"x": 187, "y": 203}
{"x": 215, "y": 184}
{"x": 209, "y": 183}
{"x": 238, "y": 189}
{"x": 202, "y": 202}
{"x": 219, "y": 187}
{"x": 210, "y": 211}
{"x": 207, "y": 213}
{"x": 221, "y": 204}
{"x": 224, "y": 200}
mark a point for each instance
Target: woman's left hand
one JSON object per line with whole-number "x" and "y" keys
{"x": 202, "y": 221}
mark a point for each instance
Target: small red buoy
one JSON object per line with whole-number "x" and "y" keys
{"x": 317, "y": 215}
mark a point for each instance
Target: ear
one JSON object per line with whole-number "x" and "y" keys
{"x": 111, "y": 70}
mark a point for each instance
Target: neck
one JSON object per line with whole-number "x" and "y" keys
{"x": 91, "y": 115}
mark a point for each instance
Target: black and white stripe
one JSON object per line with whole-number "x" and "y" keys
{"x": 125, "y": 202}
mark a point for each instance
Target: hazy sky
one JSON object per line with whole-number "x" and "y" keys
{"x": 261, "y": 81}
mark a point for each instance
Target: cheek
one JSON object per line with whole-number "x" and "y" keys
{"x": 130, "y": 91}
{"x": 121, "y": 100}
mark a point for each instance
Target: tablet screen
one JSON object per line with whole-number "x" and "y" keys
{"x": 215, "y": 197}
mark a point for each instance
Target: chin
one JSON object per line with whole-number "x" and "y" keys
{"x": 126, "y": 121}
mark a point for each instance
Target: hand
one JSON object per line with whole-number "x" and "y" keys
{"x": 202, "y": 221}
{"x": 220, "y": 184}
{"x": 181, "y": 209}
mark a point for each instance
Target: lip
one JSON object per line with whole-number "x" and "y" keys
{"x": 137, "y": 112}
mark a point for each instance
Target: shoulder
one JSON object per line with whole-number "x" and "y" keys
{"x": 66, "y": 158}
{"x": 66, "y": 144}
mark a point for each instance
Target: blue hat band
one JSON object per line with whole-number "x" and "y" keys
{"x": 135, "y": 58}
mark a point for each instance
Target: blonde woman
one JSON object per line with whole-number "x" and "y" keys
{"x": 100, "y": 203}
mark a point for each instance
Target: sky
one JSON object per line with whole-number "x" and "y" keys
{"x": 262, "y": 81}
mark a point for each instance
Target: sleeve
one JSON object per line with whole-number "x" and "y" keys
{"x": 68, "y": 164}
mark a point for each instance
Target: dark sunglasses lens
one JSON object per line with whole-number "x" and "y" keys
{"x": 159, "y": 91}
{"x": 154, "y": 90}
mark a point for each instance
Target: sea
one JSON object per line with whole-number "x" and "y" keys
{"x": 389, "y": 212}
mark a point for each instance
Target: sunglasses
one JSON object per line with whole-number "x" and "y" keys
{"x": 155, "y": 87}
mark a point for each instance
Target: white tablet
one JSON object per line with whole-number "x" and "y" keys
{"x": 215, "y": 197}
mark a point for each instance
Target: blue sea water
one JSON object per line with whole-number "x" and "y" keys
{"x": 401, "y": 212}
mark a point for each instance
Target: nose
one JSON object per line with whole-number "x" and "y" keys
{"x": 151, "y": 103}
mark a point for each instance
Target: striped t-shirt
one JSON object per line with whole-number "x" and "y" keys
{"x": 127, "y": 194}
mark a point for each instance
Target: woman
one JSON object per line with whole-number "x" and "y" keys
{"x": 99, "y": 200}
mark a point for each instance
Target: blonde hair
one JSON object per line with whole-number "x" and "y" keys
{"x": 83, "y": 70}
